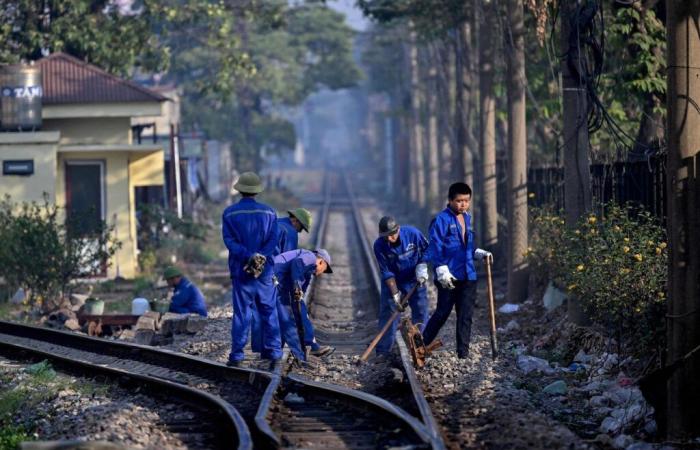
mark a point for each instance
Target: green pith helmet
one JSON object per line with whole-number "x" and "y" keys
{"x": 171, "y": 272}
{"x": 303, "y": 215}
{"x": 249, "y": 183}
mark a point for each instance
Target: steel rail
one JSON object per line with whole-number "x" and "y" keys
{"x": 159, "y": 369}
{"x": 418, "y": 396}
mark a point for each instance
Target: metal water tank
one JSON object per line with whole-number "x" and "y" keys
{"x": 20, "y": 97}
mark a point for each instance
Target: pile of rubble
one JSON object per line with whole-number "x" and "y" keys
{"x": 154, "y": 328}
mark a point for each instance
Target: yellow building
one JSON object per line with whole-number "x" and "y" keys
{"x": 84, "y": 157}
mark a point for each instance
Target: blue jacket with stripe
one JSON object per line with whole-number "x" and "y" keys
{"x": 249, "y": 227}
{"x": 288, "y": 235}
{"x": 448, "y": 248}
{"x": 400, "y": 261}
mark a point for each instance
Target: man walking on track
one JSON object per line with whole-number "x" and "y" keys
{"x": 452, "y": 251}
{"x": 401, "y": 256}
{"x": 250, "y": 233}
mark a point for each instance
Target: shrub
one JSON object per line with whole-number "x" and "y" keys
{"x": 614, "y": 263}
{"x": 43, "y": 255}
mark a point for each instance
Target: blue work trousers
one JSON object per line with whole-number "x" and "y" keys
{"x": 249, "y": 293}
{"x": 462, "y": 298}
{"x": 419, "y": 312}
{"x": 287, "y": 326}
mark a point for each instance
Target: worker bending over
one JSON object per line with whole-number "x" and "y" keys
{"x": 401, "y": 256}
{"x": 187, "y": 298}
{"x": 452, "y": 252}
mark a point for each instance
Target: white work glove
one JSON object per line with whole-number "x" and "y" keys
{"x": 445, "y": 278}
{"x": 422, "y": 273}
{"x": 480, "y": 254}
{"x": 396, "y": 298}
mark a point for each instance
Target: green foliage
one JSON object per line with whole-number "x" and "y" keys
{"x": 615, "y": 264}
{"x": 41, "y": 372}
{"x": 84, "y": 28}
{"x": 42, "y": 254}
{"x": 12, "y": 436}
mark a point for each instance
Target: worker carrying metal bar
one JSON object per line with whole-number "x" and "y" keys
{"x": 452, "y": 252}
{"x": 401, "y": 253}
{"x": 250, "y": 232}
{"x": 187, "y": 298}
{"x": 293, "y": 272}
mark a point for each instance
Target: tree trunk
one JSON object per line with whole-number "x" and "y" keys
{"x": 577, "y": 176}
{"x": 445, "y": 110}
{"x": 487, "y": 141}
{"x": 417, "y": 164}
{"x": 683, "y": 192}
{"x": 517, "y": 156}
{"x": 432, "y": 147}
{"x": 464, "y": 155}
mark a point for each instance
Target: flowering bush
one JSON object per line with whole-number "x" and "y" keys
{"x": 615, "y": 264}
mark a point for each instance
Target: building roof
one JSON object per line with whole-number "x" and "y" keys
{"x": 68, "y": 80}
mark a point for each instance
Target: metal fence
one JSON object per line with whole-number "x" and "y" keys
{"x": 642, "y": 183}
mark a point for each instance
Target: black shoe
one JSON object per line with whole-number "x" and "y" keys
{"x": 234, "y": 363}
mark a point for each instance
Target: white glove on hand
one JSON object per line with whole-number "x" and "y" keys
{"x": 445, "y": 278}
{"x": 396, "y": 298}
{"x": 480, "y": 254}
{"x": 422, "y": 273}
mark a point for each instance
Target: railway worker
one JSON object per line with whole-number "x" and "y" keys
{"x": 452, "y": 252}
{"x": 298, "y": 220}
{"x": 401, "y": 255}
{"x": 187, "y": 298}
{"x": 250, "y": 232}
{"x": 293, "y": 271}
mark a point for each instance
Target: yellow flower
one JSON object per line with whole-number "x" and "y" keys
{"x": 662, "y": 294}
{"x": 577, "y": 231}
{"x": 662, "y": 245}
{"x": 531, "y": 195}
{"x": 580, "y": 267}
{"x": 572, "y": 287}
{"x": 617, "y": 228}
{"x": 658, "y": 250}
{"x": 626, "y": 239}
{"x": 650, "y": 243}
{"x": 592, "y": 219}
{"x": 625, "y": 270}
{"x": 562, "y": 222}
{"x": 625, "y": 249}
{"x": 638, "y": 257}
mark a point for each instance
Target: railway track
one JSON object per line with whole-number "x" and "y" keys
{"x": 335, "y": 302}
{"x": 246, "y": 408}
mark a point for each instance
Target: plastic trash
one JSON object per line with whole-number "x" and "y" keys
{"x": 293, "y": 398}
{"x": 139, "y": 306}
{"x": 508, "y": 308}
{"x": 529, "y": 364}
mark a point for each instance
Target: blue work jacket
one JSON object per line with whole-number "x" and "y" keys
{"x": 400, "y": 262}
{"x": 447, "y": 246}
{"x": 288, "y": 236}
{"x": 249, "y": 227}
{"x": 294, "y": 269}
{"x": 187, "y": 298}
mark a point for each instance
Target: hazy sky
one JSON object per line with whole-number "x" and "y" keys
{"x": 353, "y": 15}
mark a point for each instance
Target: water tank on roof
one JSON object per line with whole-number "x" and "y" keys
{"x": 20, "y": 97}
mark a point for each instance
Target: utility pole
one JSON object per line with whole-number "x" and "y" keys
{"x": 683, "y": 222}
{"x": 487, "y": 142}
{"x": 577, "y": 175}
{"x": 516, "y": 197}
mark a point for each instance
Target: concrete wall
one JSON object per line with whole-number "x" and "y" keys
{"x": 112, "y": 130}
{"x": 40, "y": 147}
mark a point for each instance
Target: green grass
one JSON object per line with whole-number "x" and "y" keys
{"x": 41, "y": 372}
{"x": 12, "y": 436}
{"x": 11, "y": 402}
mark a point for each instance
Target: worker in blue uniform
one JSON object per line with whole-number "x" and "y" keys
{"x": 452, "y": 252}
{"x": 187, "y": 298}
{"x": 401, "y": 255}
{"x": 293, "y": 271}
{"x": 298, "y": 220}
{"x": 250, "y": 232}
